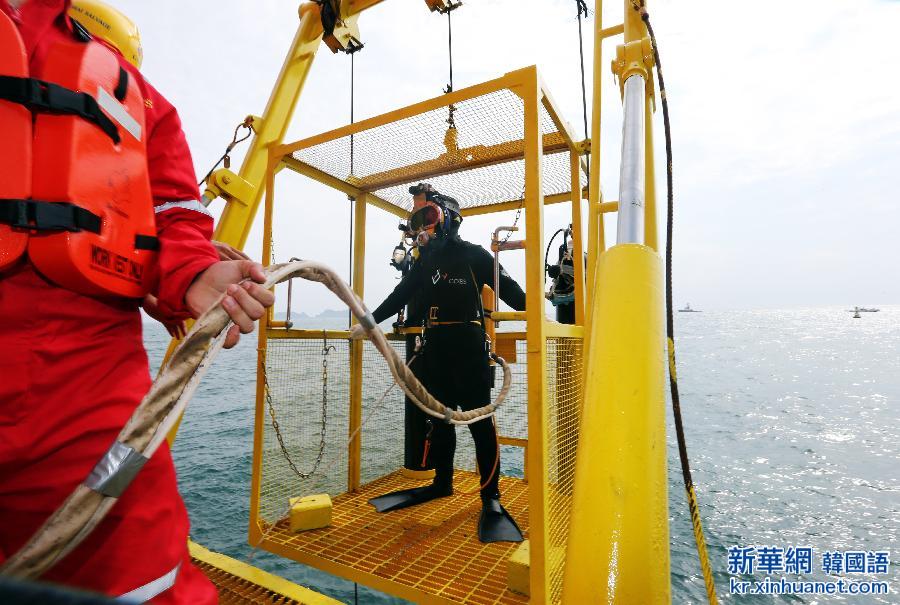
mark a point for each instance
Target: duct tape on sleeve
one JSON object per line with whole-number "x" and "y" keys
{"x": 115, "y": 470}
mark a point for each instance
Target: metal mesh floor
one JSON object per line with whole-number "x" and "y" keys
{"x": 241, "y": 584}
{"x": 432, "y": 548}
{"x": 234, "y": 590}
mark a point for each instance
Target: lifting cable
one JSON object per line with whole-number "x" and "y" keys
{"x": 670, "y": 328}
{"x": 581, "y": 7}
{"x": 451, "y": 6}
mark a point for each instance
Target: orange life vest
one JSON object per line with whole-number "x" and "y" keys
{"x": 74, "y": 189}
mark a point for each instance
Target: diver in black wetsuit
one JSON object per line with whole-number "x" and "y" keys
{"x": 448, "y": 278}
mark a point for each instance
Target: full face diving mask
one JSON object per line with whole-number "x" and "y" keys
{"x": 424, "y": 222}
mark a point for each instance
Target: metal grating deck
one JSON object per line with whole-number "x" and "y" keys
{"x": 428, "y": 553}
{"x": 241, "y": 584}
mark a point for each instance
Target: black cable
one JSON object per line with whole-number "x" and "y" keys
{"x": 549, "y": 244}
{"x": 450, "y": 48}
{"x": 670, "y": 327}
{"x": 582, "y": 8}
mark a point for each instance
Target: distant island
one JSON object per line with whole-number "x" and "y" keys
{"x": 326, "y": 314}
{"x": 329, "y": 319}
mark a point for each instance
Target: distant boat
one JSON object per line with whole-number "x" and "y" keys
{"x": 862, "y": 310}
{"x": 856, "y": 313}
{"x": 687, "y": 309}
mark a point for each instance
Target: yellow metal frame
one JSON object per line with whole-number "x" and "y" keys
{"x": 608, "y": 355}
{"x": 285, "y": 591}
{"x": 619, "y": 516}
{"x": 527, "y": 84}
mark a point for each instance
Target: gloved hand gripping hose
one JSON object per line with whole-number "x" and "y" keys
{"x": 148, "y": 426}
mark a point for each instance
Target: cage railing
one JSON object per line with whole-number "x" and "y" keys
{"x": 523, "y": 158}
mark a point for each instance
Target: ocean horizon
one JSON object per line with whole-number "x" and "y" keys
{"x": 792, "y": 424}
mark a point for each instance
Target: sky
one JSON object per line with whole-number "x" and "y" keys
{"x": 785, "y": 124}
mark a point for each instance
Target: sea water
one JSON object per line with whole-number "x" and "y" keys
{"x": 792, "y": 420}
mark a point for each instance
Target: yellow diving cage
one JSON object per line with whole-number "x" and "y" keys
{"x": 506, "y": 147}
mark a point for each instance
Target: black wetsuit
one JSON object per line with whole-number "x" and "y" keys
{"x": 455, "y": 364}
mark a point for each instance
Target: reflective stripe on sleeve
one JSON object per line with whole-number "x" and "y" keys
{"x": 187, "y": 205}
{"x": 150, "y": 590}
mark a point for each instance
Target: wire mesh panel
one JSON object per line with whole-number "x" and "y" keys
{"x": 487, "y": 137}
{"x": 565, "y": 374}
{"x": 295, "y": 378}
{"x": 512, "y": 417}
{"x": 381, "y": 450}
{"x": 297, "y": 385}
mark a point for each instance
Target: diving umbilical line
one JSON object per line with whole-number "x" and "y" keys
{"x": 169, "y": 395}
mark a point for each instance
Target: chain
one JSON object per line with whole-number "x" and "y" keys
{"x": 353, "y": 435}
{"x": 326, "y": 349}
{"x": 515, "y": 222}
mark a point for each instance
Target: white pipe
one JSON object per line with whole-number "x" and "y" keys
{"x": 631, "y": 174}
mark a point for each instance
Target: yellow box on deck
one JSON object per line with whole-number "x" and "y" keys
{"x": 310, "y": 512}
{"x": 518, "y": 570}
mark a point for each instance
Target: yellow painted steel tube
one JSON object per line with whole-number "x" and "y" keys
{"x": 577, "y": 235}
{"x": 237, "y": 218}
{"x": 596, "y": 241}
{"x": 538, "y": 498}
{"x": 354, "y": 448}
{"x": 253, "y": 528}
{"x": 618, "y": 549}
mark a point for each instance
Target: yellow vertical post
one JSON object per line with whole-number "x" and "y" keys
{"x": 237, "y": 219}
{"x": 537, "y": 343}
{"x": 650, "y": 229}
{"x": 577, "y": 236}
{"x": 618, "y": 549}
{"x": 619, "y": 519}
{"x": 259, "y": 417}
{"x": 596, "y": 241}
{"x": 234, "y": 226}
{"x": 354, "y": 449}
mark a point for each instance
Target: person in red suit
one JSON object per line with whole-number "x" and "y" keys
{"x": 72, "y": 362}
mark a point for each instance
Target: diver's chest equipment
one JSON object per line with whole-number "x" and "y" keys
{"x": 562, "y": 272}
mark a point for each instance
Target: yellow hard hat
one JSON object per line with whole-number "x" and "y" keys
{"x": 110, "y": 25}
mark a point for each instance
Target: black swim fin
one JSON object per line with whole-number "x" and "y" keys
{"x": 496, "y": 524}
{"x": 409, "y": 497}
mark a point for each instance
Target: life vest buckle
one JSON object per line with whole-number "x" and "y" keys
{"x": 30, "y": 92}
{"x": 21, "y": 214}
{"x": 34, "y": 215}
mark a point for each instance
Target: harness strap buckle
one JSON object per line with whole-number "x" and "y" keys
{"x": 54, "y": 217}
{"x": 37, "y": 215}
{"x": 21, "y": 214}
